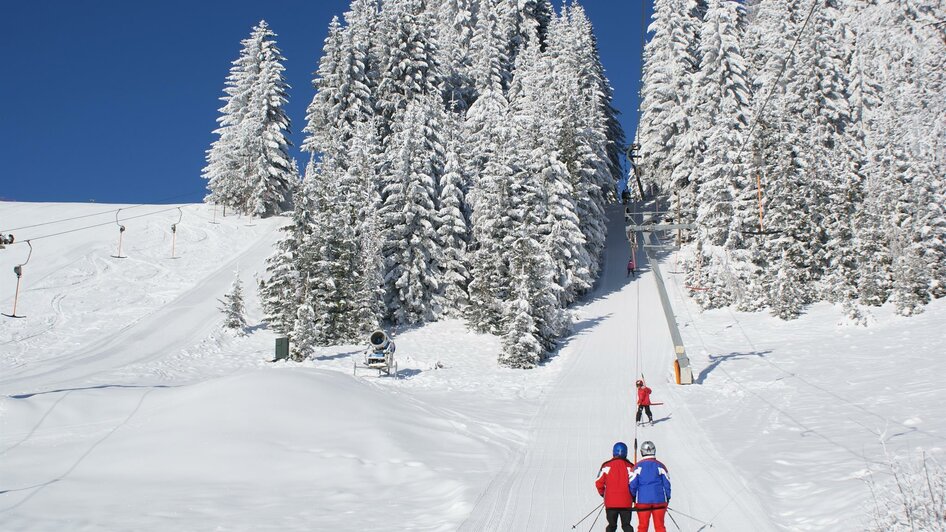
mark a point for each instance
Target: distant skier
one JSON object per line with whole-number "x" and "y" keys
{"x": 643, "y": 402}
{"x": 613, "y": 484}
{"x": 650, "y": 486}
{"x": 625, "y": 196}
{"x": 631, "y": 267}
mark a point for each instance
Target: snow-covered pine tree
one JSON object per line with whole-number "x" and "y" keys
{"x": 324, "y": 259}
{"x": 599, "y": 94}
{"x": 532, "y": 316}
{"x": 225, "y": 158}
{"x": 786, "y": 252}
{"x": 367, "y": 274}
{"x": 249, "y": 167}
{"x": 343, "y": 99}
{"x": 722, "y": 97}
{"x": 489, "y": 49}
{"x": 665, "y": 88}
{"x": 521, "y": 347}
{"x": 453, "y": 37}
{"x": 407, "y": 60}
{"x": 322, "y": 115}
{"x": 233, "y": 306}
{"x": 897, "y": 93}
{"x": 304, "y": 336}
{"x": 516, "y": 22}
{"x": 819, "y": 90}
{"x": 534, "y": 131}
{"x": 271, "y": 175}
{"x": 454, "y": 229}
{"x": 369, "y": 301}
{"x": 492, "y": 224}
{"x": 281, "y": 291}
{"x": 486, "y": 118}
{"x": 582, "y": 138}
{"x": 412, "y": 250}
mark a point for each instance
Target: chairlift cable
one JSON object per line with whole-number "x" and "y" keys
{"x": 95, "y": 225}
{"x": 815, "y": 4}
{"x": 102, "y": 213}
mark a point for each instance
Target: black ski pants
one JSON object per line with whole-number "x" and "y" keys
{"x": 625, "y": 515}
{"x": 644, "y": 408}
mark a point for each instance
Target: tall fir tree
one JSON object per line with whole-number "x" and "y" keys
{"x": 412, "y": 250}
{"x": 454, "y": 229}
{"x": 249, "y": 168}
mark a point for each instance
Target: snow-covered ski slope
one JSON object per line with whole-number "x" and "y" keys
{"x": 124, "y": 406}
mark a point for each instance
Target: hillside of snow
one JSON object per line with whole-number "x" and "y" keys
{"x": 124, "y": 405}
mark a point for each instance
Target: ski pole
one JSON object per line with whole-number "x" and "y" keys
{"x": 596, "y": 518}
{"x": 670, "y": 515}
{"x": 689, "y": 516}
{"x": 589, "y": 515}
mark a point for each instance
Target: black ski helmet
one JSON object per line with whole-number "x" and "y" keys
{"x": 620, "y": 449}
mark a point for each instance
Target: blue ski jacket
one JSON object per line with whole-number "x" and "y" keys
{"x": 650, "y": 483}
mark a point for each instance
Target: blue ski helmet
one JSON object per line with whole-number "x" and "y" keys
{"x": 620, "y": 449}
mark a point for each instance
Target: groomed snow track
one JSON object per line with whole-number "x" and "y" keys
{"x": 548, "y": 485}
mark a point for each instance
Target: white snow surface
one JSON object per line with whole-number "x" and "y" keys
{"x": 125, "y": 406}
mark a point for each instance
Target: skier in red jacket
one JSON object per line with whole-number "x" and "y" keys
{"x": 643, "y": 402}
{"x": 613, "y": 484}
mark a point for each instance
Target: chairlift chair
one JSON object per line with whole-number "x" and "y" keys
{"x": 180, "y": 216}
{"x": 121, "y": 233}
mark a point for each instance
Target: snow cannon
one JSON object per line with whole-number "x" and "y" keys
{"x": 380, "y": 342}
{"x": 379, "y": 355}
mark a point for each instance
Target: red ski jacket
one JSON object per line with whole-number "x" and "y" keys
{"x": 614, "y": 483}
{"x": 643, "y": 396}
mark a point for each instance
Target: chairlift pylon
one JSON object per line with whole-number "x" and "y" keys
{"x": 121, "y": 233}
{"x": 18, "y": 270}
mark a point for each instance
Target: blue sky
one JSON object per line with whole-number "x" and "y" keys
{"x": 115, "y": 101}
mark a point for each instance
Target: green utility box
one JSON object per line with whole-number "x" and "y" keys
{"x": 282, "y": 348}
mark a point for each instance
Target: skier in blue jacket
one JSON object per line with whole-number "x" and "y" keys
{"x": 650, "y": 486}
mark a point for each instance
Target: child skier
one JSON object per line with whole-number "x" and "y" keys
{"x": 643, "y": 402}
{"x": 613, "y": 484}
{"x": 631, "y": 267}
{"x": 650, "y": 486}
